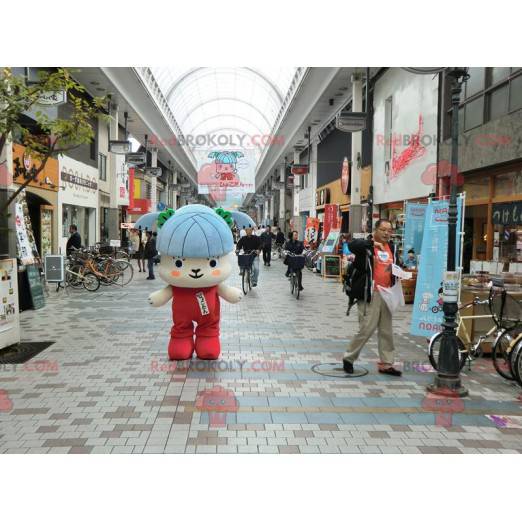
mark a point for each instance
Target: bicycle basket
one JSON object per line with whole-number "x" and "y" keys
{"x": 296, "y": 262}
{"x": 505, "y": 309}
{"x": 245, "y": 260}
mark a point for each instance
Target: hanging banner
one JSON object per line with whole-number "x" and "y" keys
{"x": 311, "y": 230}
{"x": 225, "y": 173}
{"x": 427, "y": 308}
{"x": 413, "y": 227}
{"x": 331, "y": 219}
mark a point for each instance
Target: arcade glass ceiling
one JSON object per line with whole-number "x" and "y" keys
{"x": 228, "y": 107}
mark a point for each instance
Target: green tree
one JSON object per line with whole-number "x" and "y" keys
{"x": 57, "y": 136}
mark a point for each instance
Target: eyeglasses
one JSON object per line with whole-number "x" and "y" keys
{"x": 385, "y": 230}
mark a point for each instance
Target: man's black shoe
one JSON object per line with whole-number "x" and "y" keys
{"x": 254, "y": 285}
{"x": 287, "y": 274}
{"x": 347, "y": 366}
{"x": 301, "y": 288}
{"x": 390, "y": 371}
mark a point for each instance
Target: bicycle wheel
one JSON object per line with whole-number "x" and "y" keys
{"x": 245, "y": 281}
{"x": 517, "y": 361}
{"x": 90, "y": 282}
{"x": 73, "y": 277}
{"x": 434, "y": 350}
{"x": 126, "y": 272}
{"x": 501, "y": 355}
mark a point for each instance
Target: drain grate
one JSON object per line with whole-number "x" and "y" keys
{"x": 23, "y": 352}
{"x": 336, "y": 370}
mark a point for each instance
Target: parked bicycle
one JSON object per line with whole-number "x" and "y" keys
{"x": 296, "y": 263}
{"x": 505, "y": 312}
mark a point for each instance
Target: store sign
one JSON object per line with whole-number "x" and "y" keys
{"x": 299, "y": 170}
{"x": 122, "y": 176}
{"x": 24, "y": 243}
{"x": 507, "y": 214}
{"x": 52, "y": 98}
{"x": 35, "y": 286}
{"x": 311, "y": 230}
{"x": 24, "y": 168}
{"x": 322, "y": 197}
{"x": 79, "y": 183}
{"x": 140, "y": 206}
{"x": 345, "y": 176}
{"x": 414, "y": 227}
{"x": 9, "y": 317}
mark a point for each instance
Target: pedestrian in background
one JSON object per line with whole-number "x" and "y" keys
{"x": 266, "y": 240}
{"x": 150, "y": 253}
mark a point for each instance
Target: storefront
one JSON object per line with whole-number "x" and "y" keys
{"x": 493, "y": 217}
{"x": 41, "y": 198}
{"x": 332, "y": 194}
{"x": 78, "y": 201}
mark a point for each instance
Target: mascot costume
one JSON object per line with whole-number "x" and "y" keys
{"x": 196, "y": 248}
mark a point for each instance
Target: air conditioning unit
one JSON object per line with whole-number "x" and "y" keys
{"x": 348, "y": 121}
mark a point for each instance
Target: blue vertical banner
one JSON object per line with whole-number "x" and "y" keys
{"x": 413, "y": 227}
{"x": 427, "y": 308}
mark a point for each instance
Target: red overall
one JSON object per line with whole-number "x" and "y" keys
{"x": 199, "y": 305}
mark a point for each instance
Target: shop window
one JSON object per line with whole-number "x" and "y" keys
{"x": 507, "y": 244}
{"x": 476, "y": 81}
{"x": 93, "y": 149}
{"x": 508, "y": 184}
{"x": 515, "y": 94}
{"x": 477, "y": 187}
{"x": 102, "y": 166}
{"x": 499, "y": 74}
{"x": 498, "y": 102}
{"x": 474, "y": 114}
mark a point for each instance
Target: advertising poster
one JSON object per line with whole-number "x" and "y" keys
{"x": 331, "y": 242}
{"x": 225, "y": 173}
{"x": 8, "y": 301}
{"x": 311, "y": 230}
{"x": 331, "y": 219}
{"x": 414, "y": 227}
{"x": 427, "y": 308}
{"x": 26, "y": 245}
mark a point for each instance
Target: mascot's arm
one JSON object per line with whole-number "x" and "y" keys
{"x": 161, "y": 297}
{"x": 229, "y": 293}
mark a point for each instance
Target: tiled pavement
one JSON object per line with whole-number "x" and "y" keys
{"x": 106, "y": 386}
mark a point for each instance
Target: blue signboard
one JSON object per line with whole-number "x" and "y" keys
{"x": 427, "y": 308}
{"x": 413, "y": 227}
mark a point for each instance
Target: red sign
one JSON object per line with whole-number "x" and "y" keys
{"x": 299, "y": 170}
{"x": 140, "y": 206}
{"x": 311, "y": 230}
{"x": 131, "y": 187}
{"x": 345, "y": 176}
{"x": 331, "y": 219}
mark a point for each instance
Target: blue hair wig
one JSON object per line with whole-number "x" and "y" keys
{"x": 195, "y": 231}
{"x": 228, "y": 157}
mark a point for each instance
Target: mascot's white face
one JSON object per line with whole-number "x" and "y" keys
{"x": 187, "y": 272}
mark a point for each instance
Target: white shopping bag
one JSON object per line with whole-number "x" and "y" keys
{"x": 393, "y": 297}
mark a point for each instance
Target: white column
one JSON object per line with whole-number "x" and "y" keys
{"x": 282, "y": 197}
{"x": 174, "y": 192}
{"x": 312, "y": 180}
{"x": 355, "y": 196}
{"x": 295, "y": 202}
{"x": 272, "y": 210}
{"x": 153, "y": 183}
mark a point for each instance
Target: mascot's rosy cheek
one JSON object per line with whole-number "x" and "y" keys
{"x": 194, "y": 244}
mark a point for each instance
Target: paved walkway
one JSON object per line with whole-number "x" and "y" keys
{"x": 106, "y": 385}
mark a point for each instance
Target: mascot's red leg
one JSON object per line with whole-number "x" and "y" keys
{"x": 181, "y": 348}
{"x": 208, "y": 347}
{"x": 207, "y": 338}
{"x": 181, "y": 345}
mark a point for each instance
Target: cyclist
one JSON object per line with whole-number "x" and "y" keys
{"x": 296, "y": 247}
{"x": 251, "y": 243}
